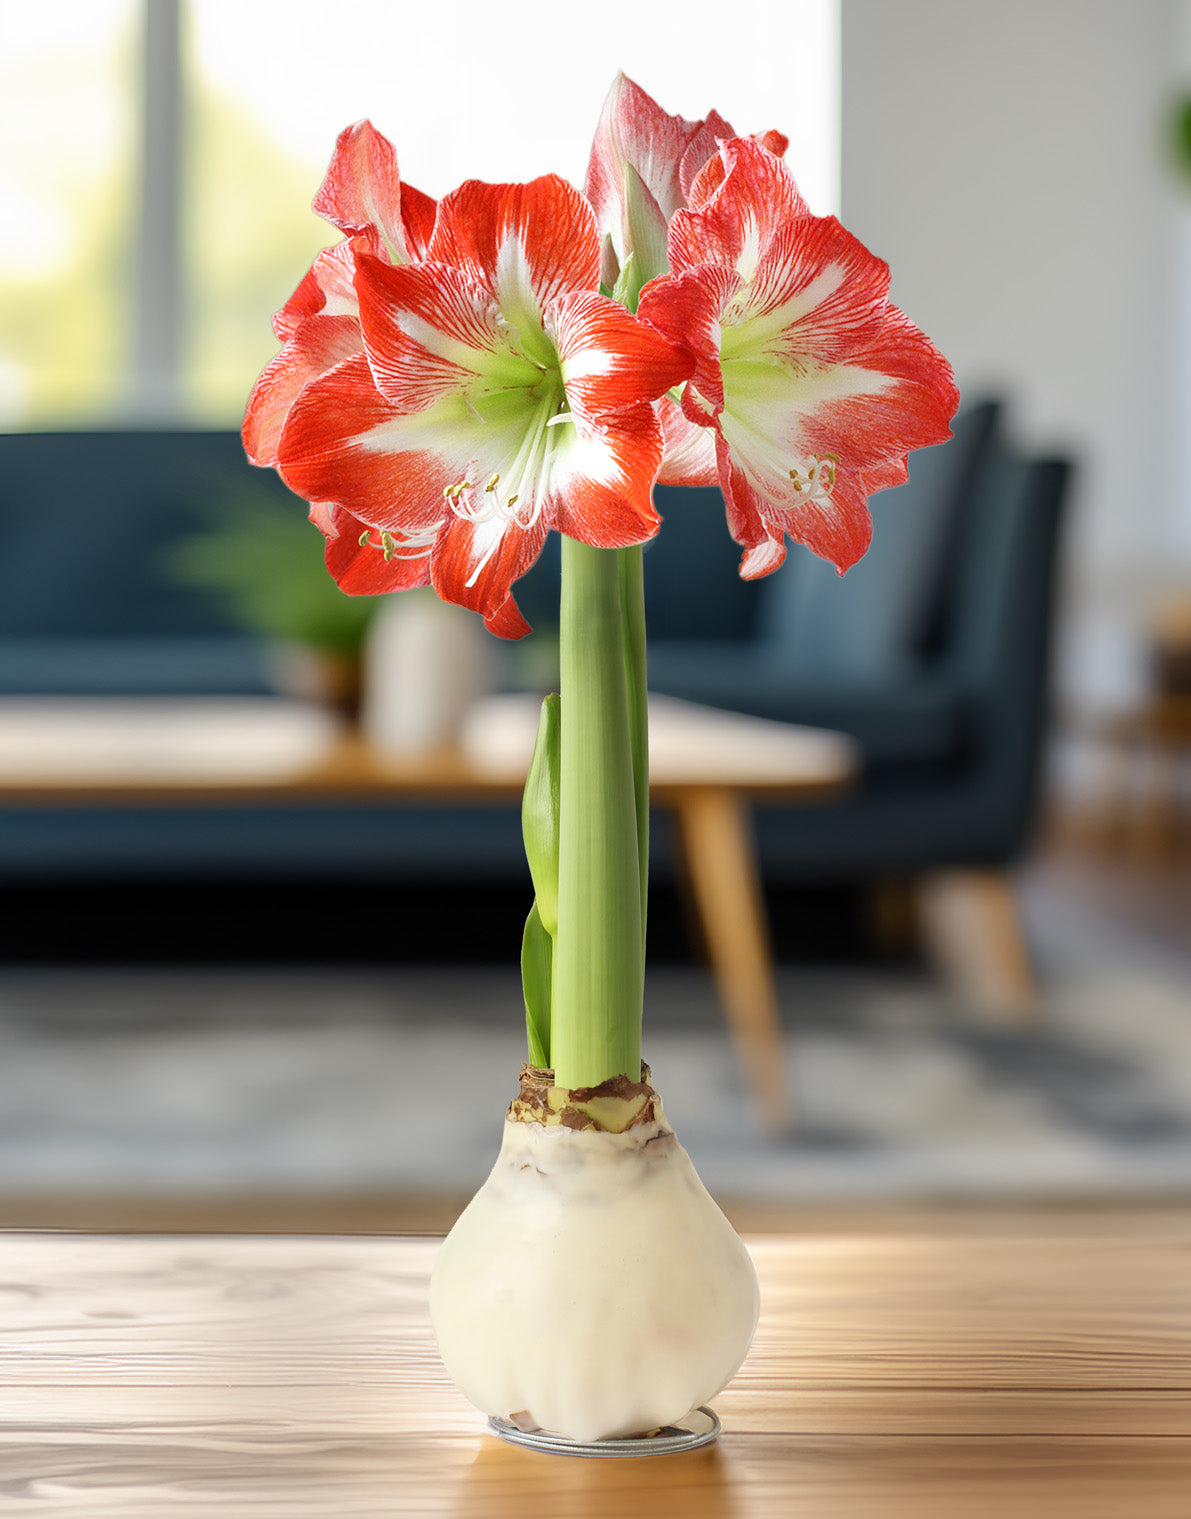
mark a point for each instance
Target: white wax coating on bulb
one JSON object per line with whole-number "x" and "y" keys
{"x": 593, "y": 1284}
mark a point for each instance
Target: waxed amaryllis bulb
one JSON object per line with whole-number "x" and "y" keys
{"x": 592, "y": 1287}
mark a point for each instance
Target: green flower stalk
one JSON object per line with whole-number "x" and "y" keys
{"x": 599, "y": 960}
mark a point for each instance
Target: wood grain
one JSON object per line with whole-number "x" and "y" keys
{"x": 892, "y": 1376}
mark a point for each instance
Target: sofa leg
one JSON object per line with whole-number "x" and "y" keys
{"x": 973, "y": 934}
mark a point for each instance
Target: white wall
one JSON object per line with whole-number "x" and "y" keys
{"x": 1005, "y": 156}
{"x": 472, "y": 89}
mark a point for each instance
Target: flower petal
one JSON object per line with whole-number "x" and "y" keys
{"x": 610, "y": 360}
{"x": 836, "y": 527}
{"x": 773, "y": 141}
{"x": 703, "y": 146}
{"x": 432, "y": 331}
{"x": 526, "y": 244}
{"x": 686, "y": 309}
{"x": 475, "y": 563}
{"x": 765, "y": 551}
{"x": 817, "y": 294}
{"x": 362, "y": 187}
{"x": 322, "y": 514}
{"x": 891, "y": 472}
{"x": 602, "y": 476}
{"x": 703, "y": 169}
{"x": 326, "y": 289}
{"x": 344, "y": 443}
{"x": 363, "y": 193}
{"x": 360, "y": 568}
{"x": 736, "y": 217}
{"x": 418, "y": 212}
{"x": 688, "y": 450}
{"x": 507, "y": 621}
{"x": 318, "y": 345}
{"x": 895, "y": 394}
{"x": 633, "y": 130}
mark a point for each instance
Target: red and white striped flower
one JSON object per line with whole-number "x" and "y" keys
{"x": 809, "y": 384}
{"x": 319, "y": 325}
{"x": 498, "y": 396}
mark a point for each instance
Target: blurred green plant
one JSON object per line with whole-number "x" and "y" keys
{"x": 265, "y": 562}
{"x": 1180, "y": 134}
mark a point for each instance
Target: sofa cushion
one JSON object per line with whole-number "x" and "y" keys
{"x": 88, "y": 521}
{"x": 163, "y": 666}
{"x": 877, "y": 621}
{"x": 920, "y": 721}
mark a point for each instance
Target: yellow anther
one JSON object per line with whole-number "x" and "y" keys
{"x": 364, "y": 536}
{"x": 493, "y": 483}
{"x": 512, "y": 501}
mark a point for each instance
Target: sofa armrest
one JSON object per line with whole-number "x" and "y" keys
{"x": 914, "y": 719}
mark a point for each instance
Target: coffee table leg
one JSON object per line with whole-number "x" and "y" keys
{"x": 717, "y": 839}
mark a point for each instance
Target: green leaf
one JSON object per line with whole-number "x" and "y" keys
{"x": 537, "y": 975}
{"x": 539, "y": 813}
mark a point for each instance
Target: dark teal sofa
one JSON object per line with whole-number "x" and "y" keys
{"x": 932, "y": 652}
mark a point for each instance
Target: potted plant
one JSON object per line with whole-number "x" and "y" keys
{"x": 264, "y": 563}
{"x": 455, "y": 381}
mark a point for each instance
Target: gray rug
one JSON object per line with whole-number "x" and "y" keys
{"x": 220, "y": 1082}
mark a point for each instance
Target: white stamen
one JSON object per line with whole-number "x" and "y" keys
{"x": 413, "y": 544}
{"x": 817, "y": 480}
{"x": 522, "y": 507}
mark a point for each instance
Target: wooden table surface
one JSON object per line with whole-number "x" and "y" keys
{"x": 199, "y": 752}
{"x": 894, "y": 1377}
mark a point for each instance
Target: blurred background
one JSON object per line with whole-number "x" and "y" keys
{"x": 230, "y": 997}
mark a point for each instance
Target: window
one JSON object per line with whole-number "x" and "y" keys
{"x": 462, "y": 90}
{"x": 67, "y": 210}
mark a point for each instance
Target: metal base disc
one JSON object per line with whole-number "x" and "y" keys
{"x": 699, "y": 1427}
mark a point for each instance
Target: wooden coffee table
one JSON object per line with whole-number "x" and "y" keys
{"x": 910, "y": 1377}
{"x": 707, "y": 768}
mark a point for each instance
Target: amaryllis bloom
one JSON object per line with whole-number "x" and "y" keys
{"x": 498, "y": 396}
{"x": 812, "y": 387}
{"x": 643, "y": 164}
{"x": 319, "y": 325}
